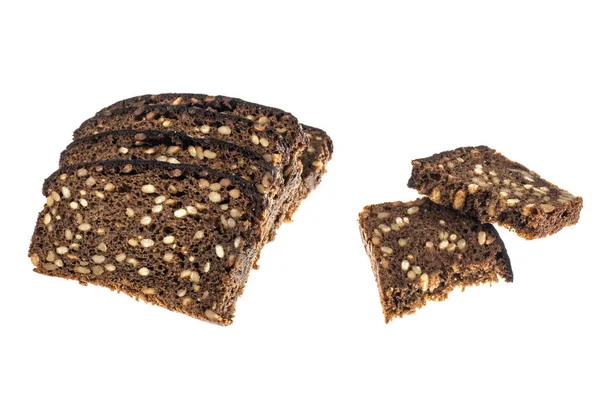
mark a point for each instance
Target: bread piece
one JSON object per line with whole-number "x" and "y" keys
{"x": 177, "y": 236}
{"x": 310, "y": 145}
{"x": 262, "y": 116}
{"x": 175, "y": 148}
{"x": 421, "y": 251}
{"x": 193, "y": 122}
{"x": 178, "y": 148}
{"x": 482, "y": 182}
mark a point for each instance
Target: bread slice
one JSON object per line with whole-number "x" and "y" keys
{"x": 177, "y": 236}
{"x": 262, "y": 116}
{"x": 176, "y": 148}
{"x": 310, "y": 145}
{"x": 421, "y": 251}
{"x": 482, "y": 182}
{"x": 193, "y": 122}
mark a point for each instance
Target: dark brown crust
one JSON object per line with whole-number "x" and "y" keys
{"x": 506, "y": 274}
{"x": 225, "y": 282}
{"x": 533, "y": 214}
{"x": 323, "y": 149}
{"x": 314, "y": 164}
{"x": 475, "y": 264}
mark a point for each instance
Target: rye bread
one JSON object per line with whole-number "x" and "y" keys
{"x": 197, "y": 122}
{"x": 193, "y": 122}
{"x": 177, "y": 236}
{"x": 312, "y": 146}
{"x": 421, "y": 251}
{"x": 285, "y": 123}
{"x": 175, "y": 148}
{"x": 481, "y": 182}
{"x": 178, "y": 148}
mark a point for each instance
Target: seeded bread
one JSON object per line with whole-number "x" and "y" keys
{"x": 314, "y": 157}
{"x": 177, "y": 236}
{"x": 197, "y": 122}
{"x": 285, "y": 123}
{"x": 175, "y": 148}
{"x": 421, "y": 251}
{"x": 482, "y": 182}
{"x": 193, "y": 122}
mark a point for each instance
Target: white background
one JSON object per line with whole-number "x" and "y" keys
{"x": 389, "y": 84}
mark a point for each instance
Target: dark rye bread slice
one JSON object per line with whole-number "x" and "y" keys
{"x": 193, "y": 122}
{"x": 175, "y": 148}
{"x": 480, "y": 181}
{"x": 314, "y": 157}
{"x": 178, "y": 148}
{"x": 177, "y": 236}
{"x": 285, "y": 123}
{"x": 421, "y": 251}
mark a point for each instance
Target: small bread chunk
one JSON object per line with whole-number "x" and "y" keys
{"x": 481, "y": 182}
{"x": 421, "y": 251}
{"x": 178, "y": 236}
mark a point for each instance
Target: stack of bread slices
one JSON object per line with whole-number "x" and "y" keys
{"x": 170, "y": 198}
